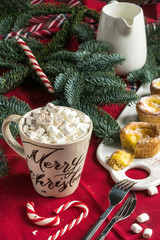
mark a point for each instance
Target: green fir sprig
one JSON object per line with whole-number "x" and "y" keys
{"x": 4, "y": 166}
{"x": 9, "y": 106}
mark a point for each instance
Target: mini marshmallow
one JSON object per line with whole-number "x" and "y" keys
{"x": 85, "y": 118}
{"x": 36, "y": 114}
{"x": 25, "y": 128}
{"x": 61, "y": 141}
{"x": 81, "y": 131}
{"x": 60, "y": 135}
{"x": 68, "y": 131}
{"x": 66, "y": 112}
{"x": 74, "y": 137}
{"x": 152, "y": 191}
{"x": 40, "y": 131}
{"x": 29, "y": 121}
{"x": 56, "y": 110}
{"x": 33, "y": 127}
{"x": 53, "y": 139}
{"x": 52, "y": 130}
{"x": 31, "y": 134}
{"x": 40, "y": 117}
{"x": 49, "y": 106}
{"x": 43, "y": 140}
{"x": 143, "y": 217}
{"x": 136, "y": 228}
{"x": 64, "y": 125}
{"x": 71, "y": 116}
{"x": 85, "y": 125}
{"x": 58, "y": 119}
{"x": 147, "y": 233}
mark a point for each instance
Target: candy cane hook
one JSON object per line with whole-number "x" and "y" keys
{"x": 41, "y": 221}
{"x": 75, "y": 222}
{"x": 35, "y": 65}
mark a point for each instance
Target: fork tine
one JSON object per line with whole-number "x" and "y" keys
{"x": 121, "y": 183}
{"x": 124, "y": 206}
{"x": 125, "y": 185}
{"x": 130, "y": 185}
{"x": 125, "y": 209}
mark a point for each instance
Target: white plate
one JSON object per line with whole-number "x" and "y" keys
{"x": 151, "y": 165}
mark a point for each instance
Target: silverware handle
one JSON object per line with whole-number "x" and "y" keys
{"x": 99, "y": 222}
{"x": 106, "y": 230}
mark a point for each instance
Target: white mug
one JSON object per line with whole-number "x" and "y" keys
{"x": 55, "y": 170}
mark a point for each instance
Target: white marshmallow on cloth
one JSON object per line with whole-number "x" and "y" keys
{"x": 152, "y": 191}
{"x": 136, "y": 228}
{"x": 143, "y": 217}
{"x": 147, "y": 233}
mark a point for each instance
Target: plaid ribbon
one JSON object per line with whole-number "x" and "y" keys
{"x": 44, "y": 26}
{"x": 151, "y": 2}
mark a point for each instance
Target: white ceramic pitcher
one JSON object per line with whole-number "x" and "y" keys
{"x": 122, "y": 26}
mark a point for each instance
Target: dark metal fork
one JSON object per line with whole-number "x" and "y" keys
{"x": 116, "y": 195}
{"x": 124, "y": 212}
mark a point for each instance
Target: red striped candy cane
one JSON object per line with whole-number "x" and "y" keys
{"x": 75, "y": 222}
{"x": 35, "y": 65}
{"x": 41, "y": 221}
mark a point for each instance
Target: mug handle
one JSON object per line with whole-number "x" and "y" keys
{"x": 9, "y": 137}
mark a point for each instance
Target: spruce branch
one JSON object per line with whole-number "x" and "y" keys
{"x": 111, "y": 98}
{"x": 10, "y": 106}
{"x": 94, "y": 47}
{"x": 105, "y": 79}
{"x": 104, "y": 126}
{"x": 83, "y": 32}
{"x": 13, "y": 78}
{"x": 73, "y": 89}
{"x": 22, "y": 21}
{"x": 50, "y": 8}
{"x": 4, "y": 168}
{"x": 6, "y": 24}
{"x": 100, "y": 62}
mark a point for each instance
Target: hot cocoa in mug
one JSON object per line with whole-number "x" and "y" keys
{"x": 55, "y": 142}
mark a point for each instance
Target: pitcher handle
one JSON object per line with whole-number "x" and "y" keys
{"x": 12, "y": 142}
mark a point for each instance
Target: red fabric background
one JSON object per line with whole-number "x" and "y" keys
{"x": 16, "y": 189}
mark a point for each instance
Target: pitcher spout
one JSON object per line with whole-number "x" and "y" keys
{"x": 129, "y": 22}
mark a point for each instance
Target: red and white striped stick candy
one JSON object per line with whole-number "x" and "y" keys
{"x": 75, "y": 222}
{"x": 35, "y": 65}
{"x": 41, "y": 221}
